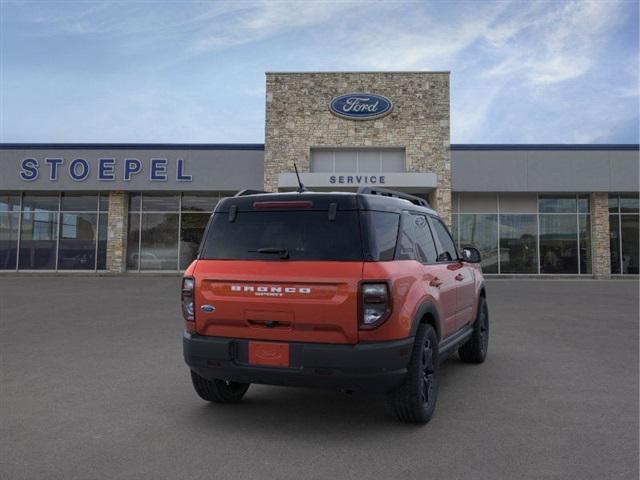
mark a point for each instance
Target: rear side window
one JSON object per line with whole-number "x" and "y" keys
{"x": 382, "y": 233}
{"x": 304, "y": 235}
{"x": 448, "y": 251}
{"x": 416, "y": 242}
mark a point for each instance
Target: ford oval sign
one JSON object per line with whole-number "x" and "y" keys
{"x": 360, "y": 106}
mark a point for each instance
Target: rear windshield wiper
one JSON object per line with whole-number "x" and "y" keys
{"x": 283, "y": 252}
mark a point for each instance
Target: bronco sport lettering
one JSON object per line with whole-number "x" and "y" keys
{"x": 357, "y": 291}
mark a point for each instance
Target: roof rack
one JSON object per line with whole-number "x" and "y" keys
{"x": 395, "y": 194}
{"x": 248, "y": 191}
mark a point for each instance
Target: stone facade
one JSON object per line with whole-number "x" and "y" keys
{"x": 298, "y": 119}
{"x": 600, "y": 248}
{"x": 117, "y": 231}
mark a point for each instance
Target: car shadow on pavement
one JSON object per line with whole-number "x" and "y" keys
{"x": 290, "y": 410}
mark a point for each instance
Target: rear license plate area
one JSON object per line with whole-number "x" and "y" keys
{"x": 269, "y": 354}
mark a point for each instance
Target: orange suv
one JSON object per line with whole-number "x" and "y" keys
{"x": 357, "y": 291}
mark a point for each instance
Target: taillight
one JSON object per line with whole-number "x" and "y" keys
{"x": 375, "y": 304}
{"x": 186, "y": 296}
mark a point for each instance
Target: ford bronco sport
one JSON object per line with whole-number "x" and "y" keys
{"x": 356, "y": 291}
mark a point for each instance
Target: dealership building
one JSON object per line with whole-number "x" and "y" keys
{"x": 530, "y": 209}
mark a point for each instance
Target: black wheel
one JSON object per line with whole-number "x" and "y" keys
{"x": 475, "y": 349}
{"x": 218, "y": 391}
{"x": 415, "y": 400}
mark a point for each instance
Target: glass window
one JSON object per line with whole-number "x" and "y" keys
{"x": 369, "y": 161}
{"x": 159, "y": 241}
{"x": 557, "y": 204}
{"x": 481, "y": 231}
{"x": 516, "y": 202}
{"x": 79, "y": 202}
{"x": 40, "y": 201}
{"x": 133, "y": 242}
{"x": 135, "y": 202}
{"x": 160, "y": 203}
{"x": 425, "y": 244}
{"x": 416, "y": 240}
{"x": 9, "y": 222}
{"x": 9, "y": 202}
{"x": 346, "y": 161}
{"x": 447, "y": 250}
{"x": 77, "y": 247}
{"x": 306, "y": 235}
{"x": 614, "y": 242}
{"x": 191, "y": 230}
{"x": 623, "y": 233}
{"x": 558, "y": 244}
{"x": 199, "y": 202}
{"x": 103, "y": 229}
{"x": 104, "y": 202}
{"x": 455, "y": 220}
{"x": 518, "y": 244}
{"x": 478, "y": 203}
{"x": 38, "y": 238}
{"x": 321, "y": 161}
{"x": 392, "y": 160}
{"x": 630, "y": 245}
{"x": 583, "y": 204}
{"x": 585, "y": 243}
{"x": 629, "y": 203}
{"x": 382, "y": 234}
{"x": 406, "y": 242}
{"x": 351, "y": 160}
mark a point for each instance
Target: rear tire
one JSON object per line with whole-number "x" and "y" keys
{"x": 475, "y": 349}
{"x": 415, "y": 400}
{"x": 218, "y": 391}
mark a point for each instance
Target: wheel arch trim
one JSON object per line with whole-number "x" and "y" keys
{"x": 427, "y": 308}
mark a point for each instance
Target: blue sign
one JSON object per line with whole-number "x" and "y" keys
{"x": 360, "y": 106}
{"x": 107, "y": 169}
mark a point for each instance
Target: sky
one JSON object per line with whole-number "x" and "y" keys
{"x": 178, "y": 71}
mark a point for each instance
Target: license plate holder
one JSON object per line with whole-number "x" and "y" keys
{"x": 269, "y": 354}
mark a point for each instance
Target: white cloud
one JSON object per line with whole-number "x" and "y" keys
{"x": 521, "y": 71}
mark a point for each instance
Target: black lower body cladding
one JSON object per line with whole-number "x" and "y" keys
{"x": 368, "y": 367}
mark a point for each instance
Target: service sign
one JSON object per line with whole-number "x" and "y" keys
{"x": 360, "y": 106}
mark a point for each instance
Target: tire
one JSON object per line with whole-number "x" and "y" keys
{"x": 475, "y": 349}
{"x": 415, "y": 400}
{"x": 218, "y": 391}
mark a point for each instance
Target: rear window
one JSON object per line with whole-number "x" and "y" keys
{"x": 307, "y": 235}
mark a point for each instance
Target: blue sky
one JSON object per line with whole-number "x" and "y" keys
{"x": 521, "y": 72}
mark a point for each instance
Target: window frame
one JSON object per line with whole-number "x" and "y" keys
{"x": 98, "y": 211}
{"x": 439, "y": 247}
{"x": 618, "y": 214}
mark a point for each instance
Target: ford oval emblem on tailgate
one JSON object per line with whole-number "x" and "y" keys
{"x": 208, "y": 308}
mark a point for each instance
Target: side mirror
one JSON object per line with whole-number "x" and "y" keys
{"x": 471, "y": 255}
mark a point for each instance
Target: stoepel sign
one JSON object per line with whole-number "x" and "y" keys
{"x": 360, "y": 106}
{"x": 106, "y": 169}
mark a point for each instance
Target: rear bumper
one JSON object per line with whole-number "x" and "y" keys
{"x": 369, "y": 367}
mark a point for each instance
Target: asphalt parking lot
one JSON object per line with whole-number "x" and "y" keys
{"x": 94, "y": 387}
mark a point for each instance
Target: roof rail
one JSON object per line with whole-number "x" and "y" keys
{"x": 395, "y": 194}
{"x": 248, "y": 191}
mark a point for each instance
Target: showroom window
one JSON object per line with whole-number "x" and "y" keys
{"x": 623, "y": 233}
{"x": 565, "y": 240}
{"x": 53, "y": 231}
{"x": 525, "y": 233}
{"x": 351, "y": 160}
{"x": 165, "y": 229}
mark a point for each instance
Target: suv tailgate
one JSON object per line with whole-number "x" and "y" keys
{"x": 305, "y": 301}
